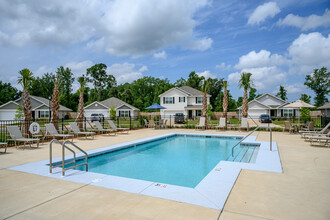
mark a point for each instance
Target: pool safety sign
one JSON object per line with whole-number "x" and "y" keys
{"x": 34, "y": 128}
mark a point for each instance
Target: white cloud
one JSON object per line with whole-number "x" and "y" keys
{"x": 260, "y": 59}
{"x": 309, "y": 51}
{"x": 306, "y": 23}
{"x": 42, "y": 70}
{"x": 126, "y": 72}
{"x": 119, "y": 27}
{"x": 79, "y": 68}
{"x": 263, "y": 78}
{"x": 295, "y": 88}
{"x": 223, "y": 66}
{"x": 207, "y": 74}
{"x": 160, "y": 55}
{"x": 262, "y": 12}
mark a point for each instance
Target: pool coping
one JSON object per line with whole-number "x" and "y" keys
{"x": 211, "y": 192}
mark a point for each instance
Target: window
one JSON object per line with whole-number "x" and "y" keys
{"x": 199, "y": 100}
{"x": 43, "y": 114}
{"x": 182, "y": 99}
{"x": 124, "y": 113}
{"x": 198, "y": 113}
{"x": 287, "y": 112}
{"x": 168, "y": 100}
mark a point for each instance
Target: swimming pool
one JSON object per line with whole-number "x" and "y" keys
{"x": 182, "y": 160}
{"x": 216, "y": 171}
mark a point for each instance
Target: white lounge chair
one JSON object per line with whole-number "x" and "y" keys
{"x": 319, "y": 141}
{"x": 103, "y": 130}
{"x": 304, "y": 134}
{"x": 151, "y": 123}
{"x": 77, "y": 132}
{"x": 17, "y": 136}
{"x": 201, "y": 123}
{"x": 52, "y": 132}
{"x": 146, "y": 123}
{"x": 222, "y": 123}
{"x": 115, "y": 128}
{"x": 244, "y": 124}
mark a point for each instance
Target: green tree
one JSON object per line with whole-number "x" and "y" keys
{"x": 180, "y": 82}
{"x": 43, "y": 86}
{"x": 246, "y": 83}
{"x": 253, "y": 94}
{"x": 282, "y": 93}
{"x": 306, "y": 98}
{"x": 239, "y": 101}
{"x": 319, "y": 82}
{"x": 19, "y": 113}
{"x": 113, "y": 113}
{"x": 65, "y": 88}
{"x": 195, "y": 81}
{"x": 8, "y": 93}
{"x": 100, "y": 79}
{"x": 214, "y": 87}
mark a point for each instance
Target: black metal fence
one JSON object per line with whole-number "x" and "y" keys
{"x": 169, "y": 121}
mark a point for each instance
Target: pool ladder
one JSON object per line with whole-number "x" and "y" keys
{"x": 63, "y": 163}
{"x": 270, "y": 137}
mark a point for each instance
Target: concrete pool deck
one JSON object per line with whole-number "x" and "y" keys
{"x": 300, "y": 192}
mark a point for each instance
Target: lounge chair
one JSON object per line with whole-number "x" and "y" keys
{"x": 17, "y": 136}
{"x": 289, "y": 127}
{"x": 4, "y": 144}
{"x": 319, "y": 141}
{"x": 222, "y": 124}
{"x": 103, "y": 130}
{"x": 308, "y": 127}
{"x": 308, "y": 137}
{"x": 307, "y": 133}
{"x": 52, "y": 132}
{"x": 201, "y": 123}
{"x": 77, "y": 132}
{"x": 151, "y": 123}
{"x": 146, "y": 123}
{"x": 244, "y": 124}
{"x": 115, "y": 128}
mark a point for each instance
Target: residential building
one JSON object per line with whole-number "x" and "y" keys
{"x": 122, "y": 108}
{"x": 270, "y": 105}
{"x": 40, "y": 108}
{"x": 325, "y": 109}
{"x": 185, "y": 99}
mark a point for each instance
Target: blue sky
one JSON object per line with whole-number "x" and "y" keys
{"x": 279, "y": 42}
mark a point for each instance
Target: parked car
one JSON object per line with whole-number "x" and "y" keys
{"x": 179, "y": 118}
{"x": 265, "y": 119}
{"x": 97, "y": 117}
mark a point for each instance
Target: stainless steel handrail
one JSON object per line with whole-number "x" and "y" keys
{"x": 51, "y": 153}
{"x": 81, "y": 150}
{"x": 232, "y": 150}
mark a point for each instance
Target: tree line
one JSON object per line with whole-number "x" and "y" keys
{"x": 143, "y": 92}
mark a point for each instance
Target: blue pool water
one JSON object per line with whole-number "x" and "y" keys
{"x": 177, "y": 160}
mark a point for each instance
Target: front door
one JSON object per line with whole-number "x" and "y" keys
{"x": 190, "y": 113}
{"x": 272, "y": 113}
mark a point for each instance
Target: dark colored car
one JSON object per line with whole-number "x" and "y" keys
{"x": 265, "y": 119}
{"x": 97, "y": 117}
{"x": 179, "y": 118}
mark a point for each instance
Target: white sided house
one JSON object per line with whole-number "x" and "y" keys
{"x": 40, "y": 108}
{"x": 122, "y": 108}
{"x": 270, "y": 105}
{"x": 185, "y": 99}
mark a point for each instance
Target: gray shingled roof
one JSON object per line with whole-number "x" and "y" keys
{"x": 110, "y": 102}
{"x": 191, "y": 91}
{"x": 46, "y": 102}
{"x": 325, "y": 106}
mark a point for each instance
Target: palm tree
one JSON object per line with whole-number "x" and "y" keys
{"x": 246, "y": 83}
{"x": 25, "y": 79}
{"x": 225, "y": 102}
{"x": 81, "y": 116}
{"x": 55, "y": 100}
{"x": 205, "y": 103}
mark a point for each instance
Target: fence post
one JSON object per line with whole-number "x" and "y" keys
{"x": 118, "y": 121}
{"x": 62, "y": 125}
{"x": 170, "y": 121}
{"x": 84, "y": 120}
{"x": 130, "y": 122}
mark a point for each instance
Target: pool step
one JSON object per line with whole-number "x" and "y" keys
{"x": 244, "y": 154}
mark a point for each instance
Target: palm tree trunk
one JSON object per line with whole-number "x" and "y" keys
{"x": 225, "y": 105}
{"x": 55, "y": 106}
{"x": 27, "y": 109}
{"x": 245, "y": 104}
{"x": 81, "y": 110}
{"x": 205, "y": 108}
